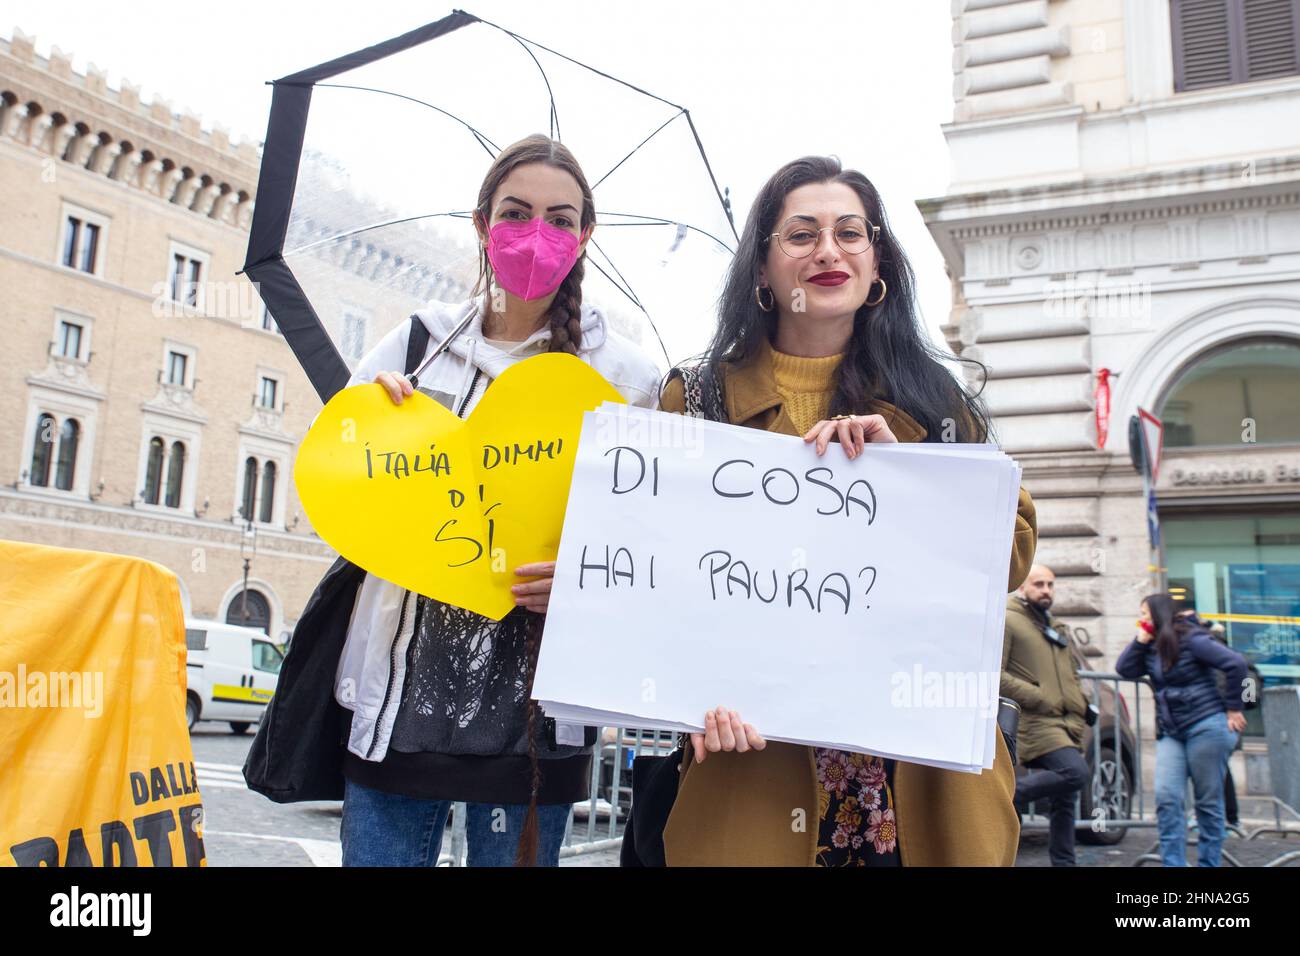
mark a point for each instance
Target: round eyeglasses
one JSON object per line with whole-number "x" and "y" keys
{"x": 853, "y": 234}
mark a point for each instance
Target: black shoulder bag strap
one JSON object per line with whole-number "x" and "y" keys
{"x": 417, "y": 341}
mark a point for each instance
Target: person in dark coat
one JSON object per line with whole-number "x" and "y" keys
{"x": 1196, "y": 723}
{"x": 1039, "y": 674}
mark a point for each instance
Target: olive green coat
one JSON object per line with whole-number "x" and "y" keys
{"x": 1042, "y": 678}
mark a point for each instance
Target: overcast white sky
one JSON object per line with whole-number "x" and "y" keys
{"x": 766, "y": 82}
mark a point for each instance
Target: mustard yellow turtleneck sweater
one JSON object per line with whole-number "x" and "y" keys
{"x": 806, "y": 385}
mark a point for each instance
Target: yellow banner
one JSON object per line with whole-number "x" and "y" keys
{"x": 444, "y": 506}
{"x": 97, "y": 764}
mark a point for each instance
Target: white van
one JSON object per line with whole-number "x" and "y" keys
{"x": 231, "y": 673}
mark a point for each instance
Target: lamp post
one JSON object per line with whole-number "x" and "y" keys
{"x": 247, "y": 551}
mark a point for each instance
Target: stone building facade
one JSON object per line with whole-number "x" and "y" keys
{"x": 152, "y": 408}
{"x": 1125, "y": 196}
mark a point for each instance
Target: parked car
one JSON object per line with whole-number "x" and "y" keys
{"x": 231, "y": 673}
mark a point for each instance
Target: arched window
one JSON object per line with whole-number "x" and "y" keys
{"x": 1247, "y": 392}
{"x": 43, "y": 450}
{"x": 268, "y": 491}
{"x": 153, "y": 472}
{"x": 175, "y": 475}
{"x": 250, "y": 488}
{"x": 64, "y": 472}
{"x": 258, "y": 610}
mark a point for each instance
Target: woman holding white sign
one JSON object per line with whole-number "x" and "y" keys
{"x": 440, "y": 695}
{"x": 818, "y": 336}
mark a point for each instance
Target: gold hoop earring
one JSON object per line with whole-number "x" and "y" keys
{"x": 758, "y": 297}
{"x": 884, "y": 289}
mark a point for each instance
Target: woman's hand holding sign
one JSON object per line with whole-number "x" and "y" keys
{"x": 534, "y": 595}
{"x": 851, "y": 431}
{"x": 723, "y": 730}
{"x": 397, "y": 385}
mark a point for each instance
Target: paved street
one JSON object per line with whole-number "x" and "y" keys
{"x": 246, "y": 829}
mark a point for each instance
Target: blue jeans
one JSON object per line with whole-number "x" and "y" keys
{"x": 1202, "y": 755}
{"x": 387, "y": 829}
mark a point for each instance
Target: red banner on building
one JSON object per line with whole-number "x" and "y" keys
{"x": 1101, "y": 404}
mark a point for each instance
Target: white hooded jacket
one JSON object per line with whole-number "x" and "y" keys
{"x": 371, "y": 669}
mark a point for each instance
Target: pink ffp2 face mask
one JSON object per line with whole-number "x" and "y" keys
{"x": 531, "y": 259}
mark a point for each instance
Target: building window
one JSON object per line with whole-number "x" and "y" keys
{"x": 153, "y": 472}
{"x": 266, "y": 396}
{"x": 250, "y": 488}
{"x": 268, "y": 492}
{"x": 259, "y": 488}
{"x": 65, "y": 471}
{"x": 175, "y": 473}
{"x": 176, "y": 362}
{"x": 186, "y": 271}
{"x": 69, "y": 343}
{"x": 43, "y": 450}
{"x": 81, "y": 244}
{"x": 269, "y": 323}
{"x": 1246, "y": 393}
{"x": 164, "y": 474}
{"x": 186, "y": 275}
{"x": 1225, "y": 42}
{"x": 55, "y": 448}
{"x": 1241, "y": 570}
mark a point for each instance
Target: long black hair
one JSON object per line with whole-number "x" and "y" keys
{"x": 1169, "y": 625}
{"x": 888, "y": 355}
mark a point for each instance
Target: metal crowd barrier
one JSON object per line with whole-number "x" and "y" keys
{"x": 1281, "y": 707}
{"x": 1107, "y": 790}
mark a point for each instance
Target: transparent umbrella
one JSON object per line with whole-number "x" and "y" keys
{"x": 373, "y": 162}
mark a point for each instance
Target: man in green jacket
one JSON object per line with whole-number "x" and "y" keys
{"x": 1038, "y": 673}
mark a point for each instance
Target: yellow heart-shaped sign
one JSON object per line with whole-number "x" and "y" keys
{"x": 445, "y": 506}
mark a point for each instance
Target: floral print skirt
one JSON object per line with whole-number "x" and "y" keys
{"x": 857, "y": 825}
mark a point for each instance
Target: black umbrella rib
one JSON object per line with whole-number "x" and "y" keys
{"x": 377, "y": 225}
{"x": 709, "y": 169}
{"x": 550, "y": 94}
{"x": 491, "y": 147}
{"x": 633, "y": 299}
{"x": 656, "y": 221}
{"x": 635, "y": 148}
{"x": 694, "y": 132}
{"x": 585, "y": 66}
{"x": 627, "y": 286}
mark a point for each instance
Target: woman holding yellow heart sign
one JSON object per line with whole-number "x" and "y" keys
{"x": 439, "y": 695}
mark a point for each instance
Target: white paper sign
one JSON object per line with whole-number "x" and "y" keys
{"x": 852, "y": 604}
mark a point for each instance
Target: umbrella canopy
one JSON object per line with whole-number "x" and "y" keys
{"x": 372, "y": 166}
